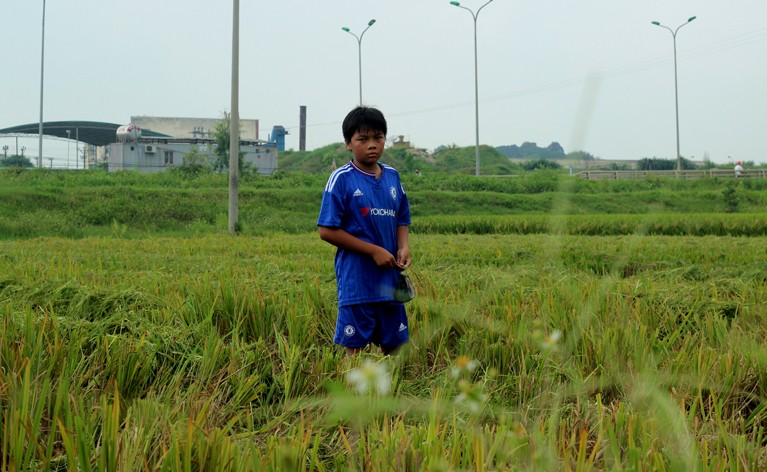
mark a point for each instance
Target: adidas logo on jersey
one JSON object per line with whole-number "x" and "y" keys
{"x": 358, "y": 193}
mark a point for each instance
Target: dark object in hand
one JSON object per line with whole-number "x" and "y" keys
{"x": 405, "y": 290}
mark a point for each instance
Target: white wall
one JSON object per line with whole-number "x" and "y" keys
{"x": 136, "y": 156}
{"x": 182, "y": 127}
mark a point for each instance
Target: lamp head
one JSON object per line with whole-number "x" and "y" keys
{"x": 656, "y": 23}
{"x": 370, "y": 23}
{"x": 456, "y": 4}
{"x": 691, "y": 18}
{"x": 346, "y": 29}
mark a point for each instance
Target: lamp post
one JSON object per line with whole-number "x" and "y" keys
{"x": 42, "y": 70}
{"x": 476, "y": 79}
{"x": 676, "y": 87}
{"x": 359, "y": 49}
{"x": 5, "y": 151}
{"x": 69, "y": 131}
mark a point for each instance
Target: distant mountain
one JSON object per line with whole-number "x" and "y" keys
{"x": 531, "y": 150}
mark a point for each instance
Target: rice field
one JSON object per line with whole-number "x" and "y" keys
{"x": 528, "y": 352}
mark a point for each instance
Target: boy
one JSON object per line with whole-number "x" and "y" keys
{"x": 365, "y": 214}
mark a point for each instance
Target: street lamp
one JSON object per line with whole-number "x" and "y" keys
{"x": 476, "y": 78}
{"x": 676, "y": 87}
{"x": 359, "y": 49}
{"x": 42, "y": 70}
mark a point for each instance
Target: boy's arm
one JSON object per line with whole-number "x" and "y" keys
{"x": 403, "y": 247}
{"x": 340, "y": 238}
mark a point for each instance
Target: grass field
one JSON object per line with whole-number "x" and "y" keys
{"x": 44, "y": 203}
{"x": 530, "y": 352}
{"x": 560, "y": 324}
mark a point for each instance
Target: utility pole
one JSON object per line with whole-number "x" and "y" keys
{"x": 234, "y": 121}
{"x": 42, "y": 71}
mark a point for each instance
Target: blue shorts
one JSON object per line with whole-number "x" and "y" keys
{"x": 381, "y": 323}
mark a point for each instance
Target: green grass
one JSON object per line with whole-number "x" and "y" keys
{"x": 41, "y": 203}
{"x": 560, "y": 324}
{"x": 627, "y": 352}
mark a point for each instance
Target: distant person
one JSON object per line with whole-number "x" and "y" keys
{"x": 738, "y": 169}
{"x": 365, "y": 214}
{"x": 418, "y": 172}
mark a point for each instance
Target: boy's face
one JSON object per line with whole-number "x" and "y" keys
{"x": 367, "y": 146}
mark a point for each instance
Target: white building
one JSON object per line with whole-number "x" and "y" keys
{"x": 193, "y": 127}
{"x": 156, "y": 154}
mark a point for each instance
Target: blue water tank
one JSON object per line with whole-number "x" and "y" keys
{"x": 278, "y": 136}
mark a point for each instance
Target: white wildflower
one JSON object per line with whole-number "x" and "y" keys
{"x": 371, "y": 376}
{"x": 463, "y": 366}
{"x": 550, "y": 342}
{"x": 471, "y": 396}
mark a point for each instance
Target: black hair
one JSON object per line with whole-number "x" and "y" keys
{"x": 362, "y": 119}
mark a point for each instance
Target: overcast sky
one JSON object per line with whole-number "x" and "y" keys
{"x": 593, "y": 75}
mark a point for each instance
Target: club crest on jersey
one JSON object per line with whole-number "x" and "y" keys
{"x": 349, "y": 330}
{"x": 393, "y": 192}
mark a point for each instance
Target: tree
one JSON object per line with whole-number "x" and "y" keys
{"x": 221, "y": 135}
{"x": 195, "y": 162}
{"x": 541, "y": 164}
{"x": 656, "y": 163}
{"x": 616, "y": 166}
{"x": 16, "y": 161}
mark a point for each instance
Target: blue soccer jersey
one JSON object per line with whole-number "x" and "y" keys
{"x": 370, "y": 209}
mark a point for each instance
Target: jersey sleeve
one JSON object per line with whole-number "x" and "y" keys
{"x": 403, "y": 212}
{"x": 333, "y": 206}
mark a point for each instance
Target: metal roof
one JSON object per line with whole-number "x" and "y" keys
{"x": 96, "y": 133}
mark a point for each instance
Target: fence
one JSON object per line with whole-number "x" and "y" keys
{"x": 681, "y": 174}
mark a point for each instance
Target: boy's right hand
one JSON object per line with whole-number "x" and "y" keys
{"x": 384, "y": 258}
{"x": 342, "y": 239}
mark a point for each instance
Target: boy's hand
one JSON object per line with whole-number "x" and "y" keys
{"x": 381, "y": 256}
{"x": 384, "y": 258}
{"x": 403, "y": 257}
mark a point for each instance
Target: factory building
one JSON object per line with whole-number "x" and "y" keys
{"x": 154, "y": 154}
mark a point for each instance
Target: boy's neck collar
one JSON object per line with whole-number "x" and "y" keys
{"x": 377, "y": 173}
